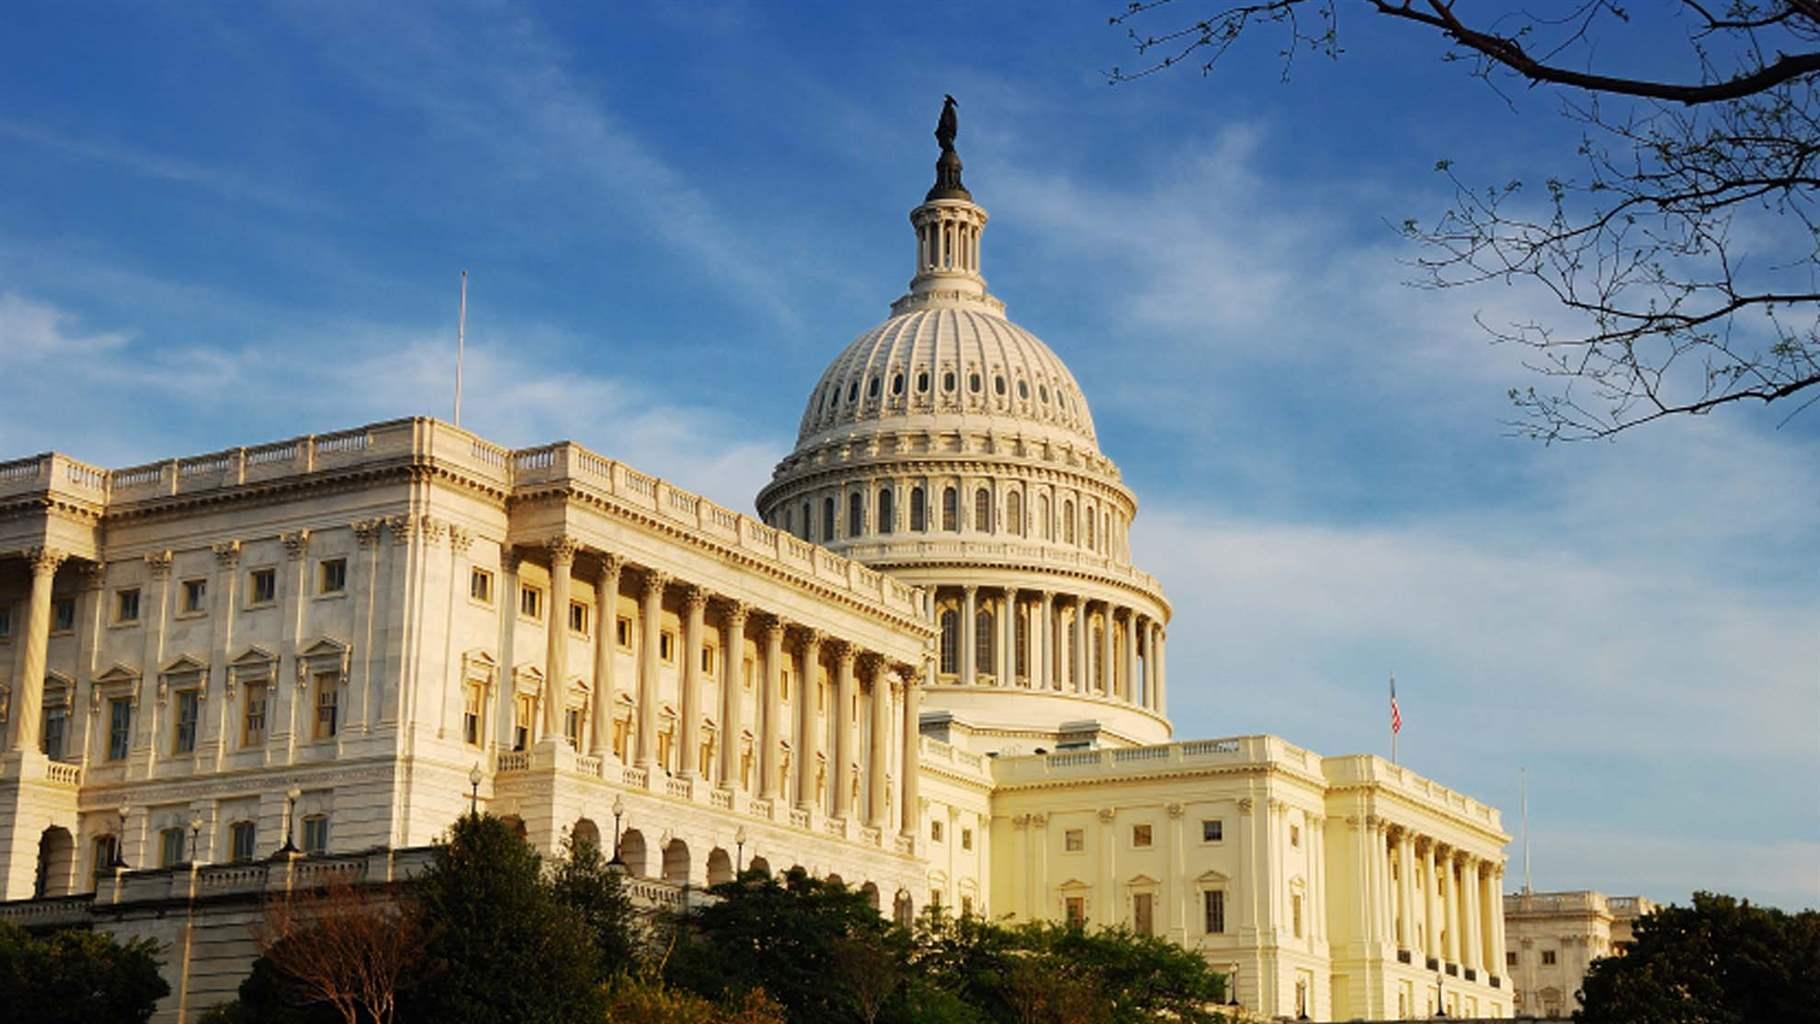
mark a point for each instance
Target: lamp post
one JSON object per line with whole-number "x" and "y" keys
{"x": 195, "y": 836}
{"x": 1440, "y": 995}
{"x": 119, "y": 862}
{"x": 290, "y": 807}
{"x": 616, "y": 865}
{"x": 739, "y": 845}
{"x": 474, "y": 777}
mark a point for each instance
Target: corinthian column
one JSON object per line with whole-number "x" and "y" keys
{"x": 556, "y": 652}
{"x": 1078, "y": 668}
{"x": 695, "y": 602}
{"x": 808, "y": 743}
{"x": 839, "y": 779}
{"x": 969, "y": 634}
{"x": 29, "y": 708}
{"x": 768, "y": 708}
{"x": 1406, "y": 870}
{"x": 1108, "y": 674}
{"x": 1475, "y": 941}
{"x": 913, "y": 748}
{"x": 877, "y": 768}
{"x": 1431, "y": 936}
{"x": 1130, "y": 690}
{"x": 606, "y": 637}
{"x": 732, "y": 664}
{"x": 1042, "y": 645}
{"x": 651, "y": 622}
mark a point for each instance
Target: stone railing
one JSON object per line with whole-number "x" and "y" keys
{"x": 1371, "y": 769}
{"x": 1015, "y": 552}
{"x": 934, "y": 751}
{"x": 64, "y": 773}
{"x": 1117, "y": 761}
{"x": 512, "y": 761}
{"x": 1580, "y": 902}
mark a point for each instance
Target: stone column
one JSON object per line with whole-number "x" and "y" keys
{"x": 606, "y": 636}
{"x": 1042, "y": 664}
{"x": 839, "y": 779}
{"x": 768, "y": 707}
{"x": 1450, "y": 917}
{"x": 877, "y": 766}
{"x": 1078, "y": 670}
{"x": 1406, "y": 870}
{"x": 1162, "y": 672}
{"x": 1431, "y": 939}
{"x": 1475, "y": 943}
{"x": 650, "y": 616}
{"x": 556, "y": 657}
{"x": 1130, "y": 691}
{"x": 1494, "y": 919}
{"x": 1007, "y": 643}
{"x": 29, "y": 707}
{"x": 912, "y": 755}
{"x": 969, "y": 632}
{"x": 808, "y": 743}
{"x": 695, "y": 604}
{"x": 732, "y": 665}
{"x": 1108, "y": 672}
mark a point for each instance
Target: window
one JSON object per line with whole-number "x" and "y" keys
{"x": 578, "y": 618}
{"x": 1143, "y": 918}
{"x": 1213, "y": 911}
{"x": 332, "y": 576}
{"x": 966, "y": 839}
{"x": 1090, "y": 543}
{"x": 184, "y": 724}
{"x": 951, "y": 642}
{"x": 470, "y": 714}
{"x": 480, "y": 585}
{"x": 948, "y": 381}
{"x": 126, "y": 605}
{"x": 998, "y": 385}
{"x": 56, "y": 729}
{"x": 6, "y": 623}
{"x": 623, "y": 633}
{"x": 571, "y": 726}
{"x": 984, "y": 650}
{"x": 170, "y": 847}
{"x": 1295, "y": 836}
{"x": 1076, "y": 910}
{"x": 1044, "y": 525}
{"x": 783, "y": 684}
{"x": 1014, "y": 513}
{"x": 856, "y": 514}
{"x": 1548, "y": 958}
{"x": 951, "y": 510}
{"x": 262, "y": 586}
{"x": 853, "y": 392}
{"x": 922, "y": 380}
{"x": 526, "y": 707}
{"x": 935, "y": 830}
{"x": 530, "y": 602}
{"x": 918, "y": 513}
{"x": 1042, "y": 393}
{"x": 966, "y": 906}
{"x": 747, "y": 671}
{"x": 107, "y": 853}
{"x": 1021, "y": 640}
{"x": 827, "y": 519}
{"x": 872, "y": 388}
{"x": 808, "y": 531}
{"x": 252, "y": 730}
{"x": 1023, "y": 390}
{"x": 316, "y": 833}
{"x": 973, "y": 383}
{"x": 1074, "y": 840}
{"x": 707, "y": 660}
{"x": 119, "y": 727}
{"x": 1067, "y": 522}
{"x": 1140, "y": 836}
{"x": 242, "y": 838}
{"x": 982, "y": 510}
{"x": 1295, "y": 914}
{"x": 666, "y": 647}
{"x": 63, "y": 615}
{"x": 1213, "y": 830}
{"x": 885, "y": 509}
{"x": 897, "y": 384}
{"x": 1510, "y": 958}
{"x": 328, "y": 705}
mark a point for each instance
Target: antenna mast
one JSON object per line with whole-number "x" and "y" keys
{"x": 461, "y": 344}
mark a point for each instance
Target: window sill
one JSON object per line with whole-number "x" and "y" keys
{"x": 478, "y": 603}
{"x": 124, "y": 624}
{"x": 332, "y": 595}
{"x": 180, "y": 616}
{"x": 253, "y": 606}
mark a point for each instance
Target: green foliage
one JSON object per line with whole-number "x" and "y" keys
{"x": 503, "y": 948}
{"x": 580, "y": 880}
{"x": 1720, "y": 961}
{"x": 77, "y": 976}
{"x": 265, "y": 998}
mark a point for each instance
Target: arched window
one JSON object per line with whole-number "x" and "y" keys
{"x": 951, "y": 642}
{"x": 918, "y": 514}
{"x": 1096, "y": 667}
{"x": 983, "y": 635}
{"x": 856, "y": 514}
{"x": 827, "y": 519}
{"x": 1090, "y": 544}
{"x": 808, "y": 530}
{"x": 1045, "y": 527}
{"x": 1068, "y": 522}
{"x": 1021, "y": 654}
{"x": 1014, "y": 513}
{"x": 922, "y": 381}
{"x": 1105, "y": 532}
{"x": 951, "y": 510}
{"x": 973, "y": 383}
{"x": 982, "y": 510}
{"x": 853, "y": 392}
{"x": 790, "y": 521}
{"x": 948, "y": 381}
{"x": 897, "y": 384}
{"x": 872, "y": 388}
{"x": 886, "y": 521}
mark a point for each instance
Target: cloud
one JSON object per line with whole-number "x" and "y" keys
{"x": 32, "y": 332}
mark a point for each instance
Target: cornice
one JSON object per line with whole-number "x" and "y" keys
{"x": 1263, "y": 769}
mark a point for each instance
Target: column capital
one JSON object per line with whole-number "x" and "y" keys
{"x": 94, "y": 575}
{"x": 811, "y": 638}
{"x": 366, "y": 531}
{"x": 227, "y": 554}
{"x": 912, "y": 675}
{"x": 460, "y": 539}
{"x": 611, "y": 564}
{"x": 695, "y": 598}
{"x": 45, "y": 560}
{"x": 1048, "y": 596}
{"x": 775, "y": 625}
{"x": 735, "y": 613}
{"x": 846, "y": 652}
{"x": 402, "y": 527}
{"x": 562, "y": 549}
{"x": 871, "y": 664}
{"x": 654, "y": 582}
{"x": 158, "y": 563}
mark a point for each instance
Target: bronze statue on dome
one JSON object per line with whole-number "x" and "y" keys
{"x": 948, "y": 126}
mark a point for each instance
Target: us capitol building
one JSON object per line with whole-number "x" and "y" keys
{"x": 928, "y": 668}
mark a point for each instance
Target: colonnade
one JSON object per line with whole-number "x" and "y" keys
{"x": 1047, "y": 640}
{"x": 781, "y": 644}
{"x": 1434, "y": 901}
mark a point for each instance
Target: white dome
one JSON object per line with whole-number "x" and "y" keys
{"x": 945, "y": 361}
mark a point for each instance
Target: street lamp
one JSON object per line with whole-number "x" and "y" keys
{"x": 119, "y": 861}
{"x": 474, "y": 777}
{"x": 290, "y": 806}
{"x": 616, "y": 865}
{"x": 195, "y": 836}
{"x": 739, "y": 845}
{"x": 1440, "y": 995}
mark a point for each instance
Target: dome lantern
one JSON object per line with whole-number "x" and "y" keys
{"x": 948, "y": 228}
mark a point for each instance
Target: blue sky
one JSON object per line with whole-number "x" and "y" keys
{"x": 227, "y": 223}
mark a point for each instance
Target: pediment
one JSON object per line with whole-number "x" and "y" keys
{"x": 183, "y": 664}
{"x": 253, "y": 657}
{"x": 118, "y": 674}
{"x": 1142, "y": 880}
{"x": 1213, "y": 877}
{"x": 54, "y": 680}
{"x": 325, "y": 647}
{"x": 1074, "y": 885}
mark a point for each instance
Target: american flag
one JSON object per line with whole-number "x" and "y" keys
{"x": 1396, "y": 715}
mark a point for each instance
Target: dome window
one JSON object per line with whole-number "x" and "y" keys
{"x": 922, "y": 382}
{"x": 1042, "y": 392}
{"x": 1023, "y": 390}
{"x": 973, "y": 383}
{"x": 852, "y": 392}
{"x": 998, "y": 385}
{"x": 872, "y": 388}
{"x": 897, "y": 384}
{"x": 948, "y": 381}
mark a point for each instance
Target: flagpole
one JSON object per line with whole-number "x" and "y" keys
{"x": 1393, "y": 724}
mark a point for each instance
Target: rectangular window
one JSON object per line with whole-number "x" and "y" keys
{"x": 107, "y": 851}
{"x": 316, "y": 833}
{"x": 170, "y": 847}
{"x": 1510, "y": 958}
{"x": 242, "y": 838}
{"x": 328, "y": 705}
{"x": 1140, "y": 836}
{"x": 480, "y": 585}
{"x": 195, "y": 595}
{"x": 126, "y": 605}
{"x": 578, "y": 618}
{"x": 1213, "y": 911}
{"x": 184, "y": 724}
{"x": 1074, "y": 840}
{"x": 56, "y": 729}
{"x": 746, "y": 680}
{"x": 526, "y": 706}
{"x": 1213, "y": 830}
{"x": 119, "y": 728}
{"x": 262, "y": 586}
{"x": 530, "y": 602}
{"x": 966, "y": 839}
{"x": 666, "y": 647}
{"x": 623, "y": 633}
{"x": 1076, "y": 911}
{"x": 1295, "y": 835}
{"x": 966, "y": 906}
{"x": 783, "y": 682}
{"x": 1295, "y": 914}
{"x": 707, "y": 660}
{"x": 332, "y": 576}
{"x": 63, "y": 615}
{"x": 470, "y": 715}
{"x": 935, "y": 830}
{"x": 571, "y": 727}
{"x": 1548, "y": 958}
{"x": 1143, "y": 920}
{"x": 252, "y": 731}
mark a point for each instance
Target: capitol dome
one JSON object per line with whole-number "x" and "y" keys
{"x": 954, "y": 450}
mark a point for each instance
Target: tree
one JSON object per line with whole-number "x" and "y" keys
{"x": 1681, "y": 262}
{"x": 504, "y": 948}
{"x": 1719, "y": 961}
{"x": 352, "y": 948}
{"x": 71, "y": 976}
{"x": 581, "y": 881}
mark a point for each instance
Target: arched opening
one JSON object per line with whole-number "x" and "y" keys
{"x": 56, "y": 862}
{"x": 1014, "y": 514}
{"x": 632, "y": 853}
{"x": 807, "y": 530}
{"x": 676, "y": 862}
{"x": 720, "y": 867}
{"x": 760, "y": 865}
{"x": 951, "y": 510}
{"x": 902, "y": 911}
{"x": 827, "y": 518}
{"x": 918, "y": 513}
{"x": 586, "y": 833}
{"x": 982, "y": 510}
{"x": 951, "y": 642}
{"x": 856, "y": 514}
{"x": 985, "y": 656}
{"x": 885, "y": 510}
{"x": 1067, "y": 522}
{"x": 870, "y": 892}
